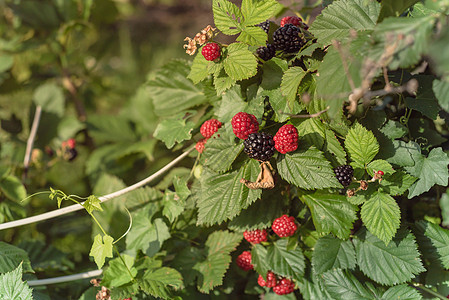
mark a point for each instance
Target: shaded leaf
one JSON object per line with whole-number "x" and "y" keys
{"x": 332, "y": 253}
{"x": 173, "y": 131}
{"x": 344, "y": 285}
{"x": 285, "y": 262}
{"x": 11, "y": 257}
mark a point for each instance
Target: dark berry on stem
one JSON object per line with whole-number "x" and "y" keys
{"x": 344, "y": 174}
{"x": 288, "y": 38}
{"x": 265, "y": 26}
{"x": 259, "y": 146}
{"x": 266, "y": 53}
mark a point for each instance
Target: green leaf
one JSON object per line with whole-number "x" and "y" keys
{"x": 391, "y": 264}
{"x": 259, "y": 259}
{"x": 394, "y": 130}
{"x": 394, "y": 8}
{"x": 200, "y": 69}
{"x": 402, "y": 291}
{"x": 425, "y": 101}
{"x": 232, "y": 103}
{"x": 397, "y": 183}
{"x": 219, "y": 244}
{"x": 51, "y": 98}
{"x": 441, "y": 91}
{"x": 284, "y": 262}
{"x": 122, "y": 292}
{"x": 117, "y": 274}
{"x": 221, "y": 151}
{"x": 341, "y": 17}
{"x": 381, "y": 215}
{"x": 253, "y": 35}
{"x": 12, "y": 286}
{"x": 13, "y": 188}
{"x": 361, "y": 145}
{"x": 227, "y": 17}
{"x": 332, "y": 253}
{"x": 272, "y": 72}
{"x": 146, "y": 234}
{"x": 312, "y": 288}
{"x": 331, "y": 213}
{"x": 6, "y": 62}
{"x": 379, "y": 165}
{"x": 110, "y": 128}
{"x": 222, "y": 82}
{"x": 344, "y": 285}
{"x": 439, "y": 238}
{"x": 240, "y": 63}
{"x": 290, "y": 83}
{"x": 257, "y": 11}
{"x": 405, "y": 154}
{"x": 223, "y": 196}
{"x": 101, "y": 248}
{"x": 92, "y": 203}
{"x": 430, "y": 170}
{"x": 174, "y": 131}
{"x": 333, "y": 149}
{"x": 184, "y": 262}
{"x": 307, "y": 169}
{"x": 312, "y": 132}
{"x": 173, "y": 205}
{"x": 11, "y": 257}
{"x": 159, "y": 282}
{"x": 172, "y": 92}
{"x": 280, "y": 104}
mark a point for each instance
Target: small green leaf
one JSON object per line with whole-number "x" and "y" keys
{"x": 394, "y": 130}
{"x": 221, "y": 151}
{"x": 307, "y": 169}
{"x": 219, "y": 244}
{"x": 331, "y": 213}
{"x": 200, "y": 69}
{"x": 13, "y": 188}
{"x": 160, "y": 282}
{"x": 101, "y": 248}
{"x": 280, "y": 104}
{"x": 341, "y": 17}
{"x": 332, "y": 253}
{"x": 92, "y": 203}
{"x": 379, "y": 165}
{"x": 227, "y": 17}
{"x": 222, "y": 82}
{"x": 50, "y": 97}
{"x": 361, "y": 145}
{"x": 240, "y": 63}
{"x": 257, "y": 11}
{"x": 253, "y": 35}
{"x": 441, "y": 90}
{"x": 405, "y": 154}
{"x": 290, "y": 83}
{"x": 402, "y": 291}
{"x": 284, "y": 262}
{"x": 397, "y": 183}
{"x": 381, "y": 215}
{"x": 173, "y": 205}
{"x": 12, "y": 287}
{"x": 344, "y": 285}
{"x": 117, "y": 274}
{"x": 430, "y": 170}
{"x": 173, "y": 131}
{"x": 395, "y": 263}
{"x": 333, "y": 149}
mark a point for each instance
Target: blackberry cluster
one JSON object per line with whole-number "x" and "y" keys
{"x": 265, "y": 26}
{"x": 259, "y": 146}
{"x": 288, "y": 38}
{"x": 266, "y": 53}
{"x": 344, "y": 174}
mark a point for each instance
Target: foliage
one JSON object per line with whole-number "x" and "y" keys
{"x": 369, "y": 89}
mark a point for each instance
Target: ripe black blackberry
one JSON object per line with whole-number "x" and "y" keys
{"x": 259, "y": 145}
{"x": 265, "y": 26}
{"x": 288, "y": 38}
{"x": 266, "y": 53}
{"x": 344, "y": 174}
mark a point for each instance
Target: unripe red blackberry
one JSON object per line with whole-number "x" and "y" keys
{"x": 259, "y": 146}
{"x": 344, "y": 174}
{"x": 286, "y": 139}
{"x": 297, "y": 21}
{"x": 284, "y": 287}
{"x": 244, "y": 124}
{"x": 266, "y": 53}
{"x": 271, "y": 280}
{"x": 210, "y": 127}
{"x": 200, "y": 145}
{"x": 288, "y": 38}
{"x": 255, "y": 236}
{"x": 244, "y": 261}
{"x": 284, "y": 226}
{"x": 211, "y": 51}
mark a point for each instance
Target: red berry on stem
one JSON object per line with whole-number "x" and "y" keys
{"x": 284, "y": 287}
{"x": 381, "y": 173}
{"x": 291, "y": 20}
{"x": 244, "y": 124}
{"x": 71, "y": 143}
{"x": 244, "y": 261}
{"x": 284, "y": 226}
{"x": 255, "y": 236}
{"x": 200, "y": 145}
{"x": 286, "y": 139}
{"x": 271, "y": 280}
{"x": 210, "y": 127}
{"x": 211, "y": 51}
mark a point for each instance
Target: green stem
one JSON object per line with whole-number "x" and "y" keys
{"x": 422, "y": 287}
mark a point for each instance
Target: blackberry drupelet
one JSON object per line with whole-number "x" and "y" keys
{"x": 259, "y": 146}
{"x": 344, "y": 174}
{"x": 288, "y": 38}
{"x": 266, "y": 53}
{"x": 265, "y": 26}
